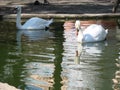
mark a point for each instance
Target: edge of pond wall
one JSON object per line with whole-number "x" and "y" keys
{"x": 65, "y": 16}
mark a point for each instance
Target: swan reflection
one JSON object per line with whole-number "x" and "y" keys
{"x": 89, "y": 50}
{"x": 36, "y": 49}
{"x": 32, "y": 35}
{"x": 81, "y": 73}
{"x": 78, "y": 53}
{"x": 94, "y": 49}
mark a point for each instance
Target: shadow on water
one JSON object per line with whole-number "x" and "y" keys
{"x": 53, "y": 60}
{"x": 58, "y": 60}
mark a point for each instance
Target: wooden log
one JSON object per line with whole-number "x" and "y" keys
{"x": 115, "y": 7}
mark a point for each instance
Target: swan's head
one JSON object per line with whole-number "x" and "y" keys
{"x": 18, "y": 8}
{"x": 77, "y": 25}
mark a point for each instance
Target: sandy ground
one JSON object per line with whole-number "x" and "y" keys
{"x": 5, "y": 86}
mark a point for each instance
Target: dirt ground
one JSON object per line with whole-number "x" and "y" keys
{"x": 58, "y": 6}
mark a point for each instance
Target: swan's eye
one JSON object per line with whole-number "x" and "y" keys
{"x": 18, "y": 9}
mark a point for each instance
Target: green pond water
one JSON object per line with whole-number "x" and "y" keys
{"x": 53, "y": 60}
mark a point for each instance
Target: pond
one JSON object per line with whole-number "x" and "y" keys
{"x": 53, "y": 60}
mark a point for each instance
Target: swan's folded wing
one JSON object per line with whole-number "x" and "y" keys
{"x": 94, "y": 33}
{"x": 35, "y": 23}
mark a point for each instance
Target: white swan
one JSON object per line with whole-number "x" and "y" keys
{"x": 92, "y": 33}
{"x": 33, "y": 23}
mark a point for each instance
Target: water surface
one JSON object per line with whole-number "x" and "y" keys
{"x": 53, "y": 60}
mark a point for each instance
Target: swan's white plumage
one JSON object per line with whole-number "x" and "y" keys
{"x": 36, "y": 23}
{"x": 92, "y": 33}
{"x": 33, "y": 23}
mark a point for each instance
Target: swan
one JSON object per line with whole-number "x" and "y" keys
{"x": 32, "y": 23}
{"x": 92, "y": 33}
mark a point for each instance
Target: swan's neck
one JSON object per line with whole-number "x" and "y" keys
{"x": 80, "y": 36}
{"x": 18, "y": 20}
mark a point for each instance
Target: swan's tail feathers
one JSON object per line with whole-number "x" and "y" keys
{"x": 49, "y": 22}
{"x": 106, "y": 31}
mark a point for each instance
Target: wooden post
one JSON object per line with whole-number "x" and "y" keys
{"x": 118, "y": 30}
{"x": 46, "y": 2}
{"x": 116, "y": 4}
{"x": 36, "y": 2}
